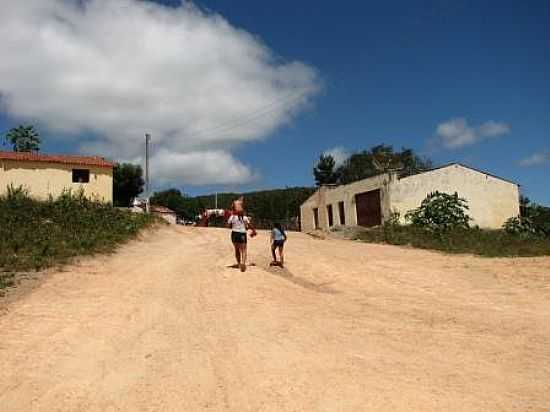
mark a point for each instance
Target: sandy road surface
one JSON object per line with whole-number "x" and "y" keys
{"x": 165, "y": 325}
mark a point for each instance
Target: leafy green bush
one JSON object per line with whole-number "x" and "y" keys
{"x": 521, "y": 226}
{"x": 534, "y": 222}
{"x": 440, "y": 212}
{"x": 432, "y": 231}
{"x": 37, "y": 234}
{"x": 489, "y": 243}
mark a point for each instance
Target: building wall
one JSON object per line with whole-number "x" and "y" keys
{"x": 328, "y": 195}
{"x": 44, "y": 179}
{"x": 491, "y": 200}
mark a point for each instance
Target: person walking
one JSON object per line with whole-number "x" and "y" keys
{"x": 278, "y": 239}
{"x": 240, "y": 225}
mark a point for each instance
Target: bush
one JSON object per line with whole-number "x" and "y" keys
{"x": 433, "y": 229}
{"x": 534, "y": 222}
{"x": 522, "y": 227}
{"x": 37, "y": 234}
{"x": 440, "y": 212}
{"x": 489, "y": 243}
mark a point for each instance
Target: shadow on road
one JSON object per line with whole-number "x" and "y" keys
{"x": 287, "y": 275}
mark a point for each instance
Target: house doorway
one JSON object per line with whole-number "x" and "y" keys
{"x": 330, "y": 216}
{"x": 369, "y": 211}
{"x": 316, "y": 218}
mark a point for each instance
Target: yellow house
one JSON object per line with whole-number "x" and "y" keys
{"x": 44, "y": 175}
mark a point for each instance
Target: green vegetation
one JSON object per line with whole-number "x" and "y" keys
{"x": 367, "y": 163}
{"x": 7, "y": 280}
{"x": 127, "y": 183}
{"x": 184, "y": 206}
{"x": 23, "y": 139}
{"x": 440, "y": 212}
{"x": 324, "y": 171}
{"x": 267, "y": 206}
{"x": 37, "y": 234}
{"x": 490, "y": 243}
{"x": 281, "y": 205}
{"x": 441, "y": 223}
{"x": 534, "y": 221}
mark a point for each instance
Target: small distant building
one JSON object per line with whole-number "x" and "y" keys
{"x": 49, "y": 175}
{"x": 167, "y": 214}
{"x": 369, "y": 202}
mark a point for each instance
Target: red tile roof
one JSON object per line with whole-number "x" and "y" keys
{"x": 64, "y": 159}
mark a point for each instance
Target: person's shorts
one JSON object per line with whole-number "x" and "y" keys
{"x": 278, "y": 243}
{"x": 238, "y": 237}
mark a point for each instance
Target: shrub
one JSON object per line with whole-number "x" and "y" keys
{"x": 440, "y": 212}
{"x": 37, "y": 234}
{"x": 489, "y": 243}
{"x": 441, "y": 224}
{"x": 521, "y": 226}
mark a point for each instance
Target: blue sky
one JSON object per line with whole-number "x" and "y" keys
{"x": 389, "y": 73}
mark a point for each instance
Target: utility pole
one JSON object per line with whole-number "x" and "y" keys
{"x": 147, "y": 141}
{"x": 216, "y": 202}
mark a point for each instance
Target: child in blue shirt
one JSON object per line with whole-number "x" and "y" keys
{"x": 278, "y": 239}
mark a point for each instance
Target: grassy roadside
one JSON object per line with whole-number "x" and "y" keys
{"x": 38, "y": 234}
{"x": 489, "y": 243}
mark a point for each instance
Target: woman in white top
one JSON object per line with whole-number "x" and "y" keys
{"x": 240, "y": 224}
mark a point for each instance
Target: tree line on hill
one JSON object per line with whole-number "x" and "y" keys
{"x": 266, "y": 206}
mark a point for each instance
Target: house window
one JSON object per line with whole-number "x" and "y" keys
{"x": 330, "y": 216}
{"x": 316, "y": 218}
{"x": 81, "y": 175}
{"x": 342, "y": 213}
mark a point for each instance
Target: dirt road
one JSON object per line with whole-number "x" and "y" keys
{"x": 165, "y": 325}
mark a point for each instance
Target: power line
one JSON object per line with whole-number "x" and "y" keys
{"x": 228, "y": 126}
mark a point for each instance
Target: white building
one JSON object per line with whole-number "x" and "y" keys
{"x": 369, "y": 202}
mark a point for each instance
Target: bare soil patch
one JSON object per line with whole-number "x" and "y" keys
{"x": 165, "y": 324}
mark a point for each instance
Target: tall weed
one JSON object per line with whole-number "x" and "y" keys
{"x": 37, "y": 234}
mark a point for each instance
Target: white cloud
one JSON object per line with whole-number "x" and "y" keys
{"x": 120, "y": 68}
{"x": 339, "y": 154}
{"x": 535, "y": 159}
{"x": 199, "y": 167}
{"x": 457, "y": 133}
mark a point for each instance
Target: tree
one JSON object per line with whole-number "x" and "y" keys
{"x": 265, "y": 207}
{"x": 24, "y": 139}
{"x": 440, "y": 212}
{"x": 127, "y": 183}
{"x": 179, "y": 202}
{"x": 324, "y": 170}
{"x": 380, "y": 159}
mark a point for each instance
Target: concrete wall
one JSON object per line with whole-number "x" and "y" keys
{"x": 328, "y": 195}
{"x": 43, "y": 179}
{"x": 491, "y": 200}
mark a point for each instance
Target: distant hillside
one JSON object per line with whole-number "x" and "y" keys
{"x": 266, "y": 206}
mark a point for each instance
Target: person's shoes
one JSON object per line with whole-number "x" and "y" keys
{"x": 274, "y": 263}
{"x": 243, "y": 267}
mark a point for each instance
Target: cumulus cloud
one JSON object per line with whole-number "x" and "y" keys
{"x": 339, "y": 154}
{"x": 116, "y": 69}
{"x": 456, "y": 133}
{"x": 200, "y": 167}
{"x": 535, "y": 159}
